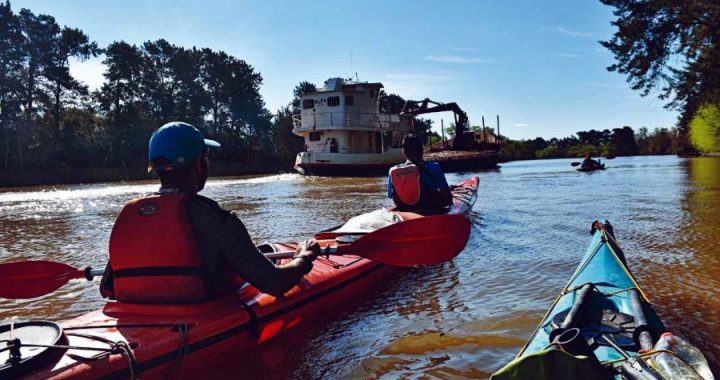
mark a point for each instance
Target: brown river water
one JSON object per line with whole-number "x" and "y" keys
{"x": 465, "y": 318}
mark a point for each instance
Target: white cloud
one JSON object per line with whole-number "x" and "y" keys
{"x": 521, "y": 125}
{"x": 455, "y": 59}
{"x": 568, "y": 55}
{"x": 570, "y": 32}
{"x": 89, "y": 72}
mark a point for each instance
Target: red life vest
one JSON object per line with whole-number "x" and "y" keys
{"x": 153, "y": 253}
{"x": 406, "y": 183}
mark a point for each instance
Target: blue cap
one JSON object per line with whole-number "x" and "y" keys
{"x": 178, "y": 142}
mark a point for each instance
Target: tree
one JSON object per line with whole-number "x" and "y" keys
{"x": 285, "y": 144}
{"x": 11, "y": 64}
{"x": 705, "y": 129}
{"x": 119, "y": 100}
{"x": 302, "y": 88}
{"x": 39, "y": 33}
{"x": 69, "y": 43}
{"x": 390, "y": 103}
{"x": 214, "y": 72}
{"x": 671, "y": 46}
{"x": 623, "y": 141}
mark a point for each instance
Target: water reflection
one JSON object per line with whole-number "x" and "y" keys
{"x": 462, "y": 319}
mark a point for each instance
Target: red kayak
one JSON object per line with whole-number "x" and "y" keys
{"x": 194, "y": 340}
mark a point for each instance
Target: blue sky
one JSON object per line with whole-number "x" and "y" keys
{"x": 535, "y": 63}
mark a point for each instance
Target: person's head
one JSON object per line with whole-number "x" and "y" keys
{"x": 178, "y": 153}
{"x": 412, "y": 147}
{"x": 588, "y": 156}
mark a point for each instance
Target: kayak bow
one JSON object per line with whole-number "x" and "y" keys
{"x": 601, "y": 326}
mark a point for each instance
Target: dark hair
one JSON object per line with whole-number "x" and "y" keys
{"x": 173, "y": 176}
{"x": 412, "y": 146}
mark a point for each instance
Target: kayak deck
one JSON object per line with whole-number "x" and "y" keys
{"x": 603, "y": 266}
{"x": 605, "y": 301}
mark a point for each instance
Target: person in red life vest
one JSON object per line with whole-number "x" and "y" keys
{"x": 176, "y": 246}
{"x": 417, "y": 185}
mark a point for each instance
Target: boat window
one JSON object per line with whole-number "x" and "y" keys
{"x": 315, "y": 136}
{"x": 308, "y": 103}
{"x": 333, "y": 101}
{"x": 349, "y": 101}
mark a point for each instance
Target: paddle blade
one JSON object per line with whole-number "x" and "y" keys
{"x": 423, "y": 241}
{"x": 30, "y": 279}
{"x": 574, "y": 164}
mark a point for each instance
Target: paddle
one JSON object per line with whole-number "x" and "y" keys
{"x": 30, "y": 279}
{"x": 575, "y": 163}
{"x": 422, "y": 241}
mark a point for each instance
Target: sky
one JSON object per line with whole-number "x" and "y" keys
{"x": 537, "y": 64}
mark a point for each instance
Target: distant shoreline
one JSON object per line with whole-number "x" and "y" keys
{"x": 88, "y": 176}
{"x": 100, "y": 175}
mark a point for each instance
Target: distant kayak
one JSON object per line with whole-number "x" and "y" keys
{"x": 601, "y": 326}
{"x": 591, "y": 169}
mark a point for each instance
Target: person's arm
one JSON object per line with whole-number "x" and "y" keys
{"x": 287, "y": 275}
{"x": 443, "y": 186}
{"x": 223, "y": 238}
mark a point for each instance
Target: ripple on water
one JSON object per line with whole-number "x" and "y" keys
{"x": 461, "y": 319}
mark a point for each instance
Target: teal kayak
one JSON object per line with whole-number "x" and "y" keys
{"x": 600, "y": 321}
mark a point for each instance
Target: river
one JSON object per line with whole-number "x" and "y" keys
{"x": 465, "y": 318}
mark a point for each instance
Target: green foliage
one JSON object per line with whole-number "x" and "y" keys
{"x": 705, "y": 129}
{"x": 670, "y": 46}
{"x": 301, "y": 89}
{"x": 50, "y": 123}
{"x": 621, "y": 141}
{"x": 390, "y": 103}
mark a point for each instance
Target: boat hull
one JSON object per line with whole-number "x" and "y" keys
{"x": 347, "y": 164}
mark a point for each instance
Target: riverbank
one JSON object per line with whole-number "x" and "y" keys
{"x": 217, "y": 169}
{"x": 99, "y": 175}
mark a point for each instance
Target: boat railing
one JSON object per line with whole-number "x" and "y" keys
{"x": 350, "y": 120}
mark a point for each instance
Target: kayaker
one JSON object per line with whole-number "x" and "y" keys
{"x": 589, "y": 163}
{"x": 175, "y": 246}
{"x": 417, "y": 185}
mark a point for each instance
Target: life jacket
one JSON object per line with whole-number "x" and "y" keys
{"x": 153, "y": 253}
{"x": 410, "y": 193}
{"x": 406, "y": 184}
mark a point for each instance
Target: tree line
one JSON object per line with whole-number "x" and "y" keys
{"x": 53, "y": 129}
{"x": 52, "y": 126}
{"x": 608, "y": 143}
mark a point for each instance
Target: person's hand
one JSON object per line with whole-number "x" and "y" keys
{"x": 308, "y": 249}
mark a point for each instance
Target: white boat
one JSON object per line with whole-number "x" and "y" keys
{"x": 344, "y": 132}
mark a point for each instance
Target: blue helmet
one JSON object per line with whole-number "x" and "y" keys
{"x": 179, "y": 143}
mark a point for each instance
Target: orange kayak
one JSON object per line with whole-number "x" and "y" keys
{"x": 191, "y": 340}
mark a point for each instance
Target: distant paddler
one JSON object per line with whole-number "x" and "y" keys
{"x": 590, "y": 164}
{"x": 417, "y": 185}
